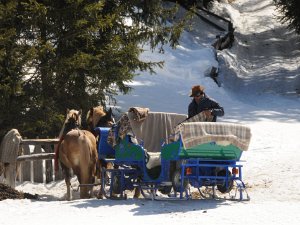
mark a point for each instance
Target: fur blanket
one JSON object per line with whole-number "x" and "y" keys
{"x": 138, "y": 114}
{"x": 200, "y": 117}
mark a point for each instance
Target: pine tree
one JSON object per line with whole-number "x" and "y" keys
{"x": 58, "y": 54}
{"x": 290, "y": 10}
{"x": 15, "y": 56}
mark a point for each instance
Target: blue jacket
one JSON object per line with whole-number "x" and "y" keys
{"x": 205, "y": 103}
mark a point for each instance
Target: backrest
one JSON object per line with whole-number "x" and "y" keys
{"x": 223, "y": 134}
{"x": 156, "y": 128}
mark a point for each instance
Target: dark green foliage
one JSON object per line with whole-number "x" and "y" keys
{"x": 290, "y": 10}
{"x": 59, "y": 54}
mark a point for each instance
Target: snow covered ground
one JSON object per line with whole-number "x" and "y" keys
{"x": 260, "y": 82}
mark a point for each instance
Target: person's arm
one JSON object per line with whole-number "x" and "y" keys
{"x": 216, "y": 109}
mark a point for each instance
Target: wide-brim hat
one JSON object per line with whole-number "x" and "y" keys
{"x": 197, "y": 89}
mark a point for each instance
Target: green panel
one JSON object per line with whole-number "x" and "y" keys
{"x": 212, "y": 151}
{"x": 170, "y": 151}
{"x": 129, "y": 151}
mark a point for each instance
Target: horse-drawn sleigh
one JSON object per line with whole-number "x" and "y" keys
{"x": 164, "y": 155}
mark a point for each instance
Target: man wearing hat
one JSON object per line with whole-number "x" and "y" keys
{"x": 202, "y": 103}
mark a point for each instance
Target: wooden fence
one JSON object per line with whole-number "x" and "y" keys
{"x": 28, "y": 159}
{"x": 37, "y": 161}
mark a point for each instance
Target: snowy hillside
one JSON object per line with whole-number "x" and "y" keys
{"x": 260, "y": 81}
{"x": 264, "y": 62}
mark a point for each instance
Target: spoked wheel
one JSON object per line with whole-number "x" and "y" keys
{"x": 223, "y": 187}
{"x": 176, "y": 181}
{"x": 106, "y": 184}
{"x": 111, "y": 185}
{"x": 116, "y": 184}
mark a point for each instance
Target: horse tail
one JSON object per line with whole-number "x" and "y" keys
{"x": 56, "y": 155}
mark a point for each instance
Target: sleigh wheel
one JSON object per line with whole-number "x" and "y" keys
{"x": 225, "y": 188}
{"x": 106, "y": 184}
{"x": 111, "y": 185}
{"x": 176, "y": 181}
{"x": 116, "y": 184}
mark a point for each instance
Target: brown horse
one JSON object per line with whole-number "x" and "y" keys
{"x": 77, "y": 151}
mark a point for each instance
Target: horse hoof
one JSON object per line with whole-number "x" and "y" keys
{"x": 99, "y": 196}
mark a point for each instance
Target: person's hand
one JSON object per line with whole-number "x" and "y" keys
{"x": 207, "y": 113}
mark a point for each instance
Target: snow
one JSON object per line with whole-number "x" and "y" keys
{"x": 260, "y": 84}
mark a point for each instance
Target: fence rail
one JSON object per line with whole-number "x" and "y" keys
{"x": 37, "y": 161}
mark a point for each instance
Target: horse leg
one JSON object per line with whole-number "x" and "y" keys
{"x": 84, "y": 179}
{"x": 90, "y": 189}
{"x": 137, "y": 191}
{"x": 104, "y": 165}
{"x": 67, "y": 173}
{"x": 87, "y": 178}
{"x": 93, "y": 170}
{"x": 66, "y": 165}
{"x": 84, "y": 192}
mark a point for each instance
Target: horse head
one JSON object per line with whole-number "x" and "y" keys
{"x": 107, "y": 120}
{"x": 98, "y": 117}
{"x": 74, "y": 117}
{"x": 72, "y": 121}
